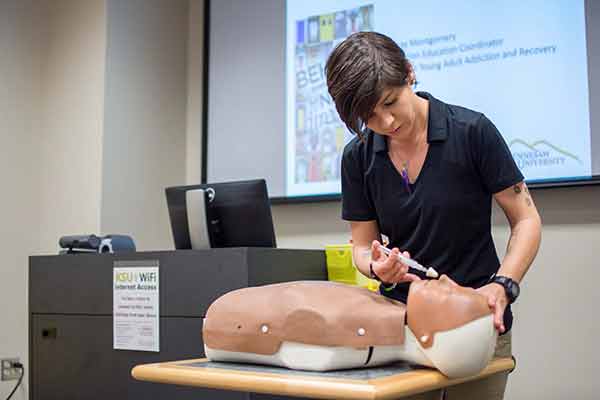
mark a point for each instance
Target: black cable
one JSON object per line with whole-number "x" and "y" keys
{"x": 22, "y": 368}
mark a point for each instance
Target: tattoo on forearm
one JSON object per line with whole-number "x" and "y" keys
{"x": 517, "y": 189}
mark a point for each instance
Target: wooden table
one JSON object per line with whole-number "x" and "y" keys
{"x": 388, "y": 382}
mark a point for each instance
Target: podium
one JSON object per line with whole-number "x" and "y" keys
{"x": 71, "y": 352}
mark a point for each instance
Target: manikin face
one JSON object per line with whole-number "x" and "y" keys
{"x": 441, "y": 305}
{"x": 444, "y": 288}
{"x": 394, "y": 114}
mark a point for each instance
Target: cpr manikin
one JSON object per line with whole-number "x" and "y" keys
{"x": 321, "y": 326}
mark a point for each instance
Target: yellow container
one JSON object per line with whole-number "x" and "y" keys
{"x": 340, "y": 267}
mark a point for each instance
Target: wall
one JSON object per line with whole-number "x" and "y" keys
{"x": 51, "y": 118}
{"x": 80, "y": 80}
{"x": 145, "y": 117}
{"x": 51, "y": 113}
{"x": 20, "y": 78}
{"x": 72, "y": 109}
{"x": 195, "y": 86}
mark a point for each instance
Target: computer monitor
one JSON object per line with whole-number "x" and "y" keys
{"x": 227, "y": 214}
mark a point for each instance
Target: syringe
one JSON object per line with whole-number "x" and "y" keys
{"x": 429, "y": 272}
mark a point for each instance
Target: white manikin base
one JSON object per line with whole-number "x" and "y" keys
{"x": 457, "y": 353}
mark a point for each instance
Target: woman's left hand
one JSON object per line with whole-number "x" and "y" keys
{"x": 497, "y": 301}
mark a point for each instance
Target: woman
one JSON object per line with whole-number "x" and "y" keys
{"x": 423, "y": 173}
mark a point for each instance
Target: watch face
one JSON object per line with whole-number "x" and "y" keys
{"x": 514, "y": 289}
{"x": 511, "y": 287}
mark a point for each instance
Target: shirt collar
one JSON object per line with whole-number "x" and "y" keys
{"x": 436, "y": 131}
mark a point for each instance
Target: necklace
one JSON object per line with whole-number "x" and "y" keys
{"x": 405, "y": 178}
{"x": 403, "y": 163}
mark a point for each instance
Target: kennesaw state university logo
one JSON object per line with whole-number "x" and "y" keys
{"x": 540, "y": 153}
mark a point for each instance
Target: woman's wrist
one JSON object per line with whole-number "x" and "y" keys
{"x": 373, "y": 275}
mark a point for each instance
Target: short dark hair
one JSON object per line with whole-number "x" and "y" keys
{"x": 358, "y": 71}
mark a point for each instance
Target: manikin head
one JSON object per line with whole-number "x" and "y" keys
{"x": 441, "y": 305}
{"x": 453, "y": 325}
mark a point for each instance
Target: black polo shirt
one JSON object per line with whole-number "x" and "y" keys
{"x": 444, "y": 221}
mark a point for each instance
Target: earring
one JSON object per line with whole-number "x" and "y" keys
{"x": 412, "y": 80}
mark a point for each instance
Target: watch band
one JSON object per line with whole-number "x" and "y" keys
{"x": 511, "y": 288}
{"x": 372, "y": 273}
{"x": 386, "y": 286}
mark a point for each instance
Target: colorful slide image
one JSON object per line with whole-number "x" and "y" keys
{"x": 319, "y": 134}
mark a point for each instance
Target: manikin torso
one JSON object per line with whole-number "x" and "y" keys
{"x": 321, "y": 326}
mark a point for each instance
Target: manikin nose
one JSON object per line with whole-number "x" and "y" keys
{"x": 445, "y": 279}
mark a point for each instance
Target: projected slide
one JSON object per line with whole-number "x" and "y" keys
{"x": 523, "y": 64}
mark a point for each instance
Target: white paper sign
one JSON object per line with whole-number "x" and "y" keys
{"x": 135, "y": 306}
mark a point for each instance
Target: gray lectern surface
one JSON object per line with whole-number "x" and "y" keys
{"x": 71, "y": 326}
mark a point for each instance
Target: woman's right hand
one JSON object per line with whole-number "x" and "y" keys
{"x": 390, "y": 269}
